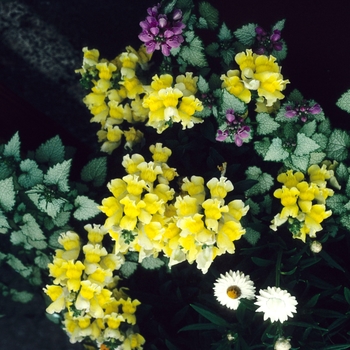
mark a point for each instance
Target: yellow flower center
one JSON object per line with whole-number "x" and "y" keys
{"x": 233, "y": 292}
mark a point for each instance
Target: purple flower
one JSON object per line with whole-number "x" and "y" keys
{"x": 267, "y": 42}
{"x": 302, "y": 110}
{"x": 235, "y": 129}
{"x": 160, "y": 33}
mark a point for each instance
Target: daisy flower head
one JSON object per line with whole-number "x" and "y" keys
{"x": 276, "y": 304}
{"x": 232, "y": 287}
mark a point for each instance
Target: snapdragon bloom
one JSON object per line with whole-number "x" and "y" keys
{"x": 268, "y": 42}
{"x": 302, "y": 110}
{"x": 235, "y": 129}
{"x": 161, "y": 33}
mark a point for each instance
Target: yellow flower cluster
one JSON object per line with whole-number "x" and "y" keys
{"x": 303, "y": 201}
{"x": 146, "y": 215}
{"x": 256, "y": 73}
{"x": 87, "y": 292}
{"x": 115, "y": 95}
{"x": 168, "y": 104}
{"x": 118, "y": 96}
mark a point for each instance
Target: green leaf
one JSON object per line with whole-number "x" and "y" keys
{"x": 331, "y": 262}
{"x": 128, "y": 268}
{"x": 169, "y": 7}
{"x": 200, "y": 327}
{"x": 86, "y": 208}
{"x": 347, "y": 294}
{"x": 246, "y": 34}
{"x": 151, "y": 263}
{"x": 309, "y": 128}
{"x": 12, "y": 148}
{"x": 58, "y": 175}
{"x": 317, "y": 157}
{"x": 261, "y": 147}
{"x": 8, "y": 194}
{"x": 95, "y": 171}
{"x": 211, "y": 316}
{"x": 344, "y": 101}
{"x": 276, "y": 151}
{"x": 321, "y": 140}
{"x": 345, "y": 221}
{"x": 51, "y": 152}
{"x": 305, "y": 145}
{"x": 32, "y": 174}
{"x": 22, "y": 297}
{"x": 225, "y": 33}
{"x": 266, "y": 124}
{"x": 42, "y": 260}
{"x": 279, "y": 25}
{"x": 194, "y": 53}
{"x": 203, "y": 85}
{"x": 261, "y": 262}
{"x": 295, "y": 96}
{"x": 265, "y": 181}
{"x": 325, "y": 127}
{"x": 342, "y": 173}
{"x": 338, "y": 144}
{"x": 312, "y": 302}
{"x": 228, "y": 55}
{"x": 213, "y": 50}
{"x": 210, "y": 14}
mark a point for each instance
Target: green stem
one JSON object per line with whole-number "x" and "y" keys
{"x": 278, "y": 267}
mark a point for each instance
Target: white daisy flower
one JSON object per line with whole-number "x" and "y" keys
{"x": 232, "y": 287}
{"x": 276, "y": 304}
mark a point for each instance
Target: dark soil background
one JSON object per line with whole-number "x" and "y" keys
{"x": 41, "y": 43}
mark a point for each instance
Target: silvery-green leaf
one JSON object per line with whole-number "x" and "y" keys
{"x": 95, "y": 171}
{"x": 128, "y": 268}
{"x": 61, "y": 218}
{"x": 58, "y": 175}
{"x": 228, "y": 55}
{"x": 265, "y": 181}
{"x": 266, "y": 124}
{"x": 276, "y": 151}
{"x": 338, "y": 145}
{"x": 194, "y": 53}
{"x": 12, "y": 148}
{"x": 254, "y": 207}
{"x": 261, "y": 147}
{"x": 321, "y": 140}
{"x": 8, "y": 194}
{"x": 151, "y": 263}
{"x": 202, "y": 23}
{"x": 325, "y": 127}
{"x": 305, "y": 145}
{"x": 32, "y": 175}
{"x": 337, "y": 203}
{"x": 252, "y": 236}
{"x": 33, "y": 233}
{"x": 280, "y": 54}
{"x": 300, "y": 162}
{"x": 4, "y": 225}
{"x": 231, "y": 101}
{"x": 344, "y": 101}
{"x": 317, "y": 157}
{"x": 86, "y": 208}
{"x": 17, "y": 238}
{"x": 51, "y": 152}
{"x": 18, "y": 266}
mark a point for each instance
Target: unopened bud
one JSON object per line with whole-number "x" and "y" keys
{"x": 316, "y": 246}
{"x": 282, "y": 344}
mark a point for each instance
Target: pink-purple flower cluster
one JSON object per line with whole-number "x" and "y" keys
{"x": 302, "y": 110}
{"x": 161, "y": 33}
{"x": 236, "y": 129}
{"x": 268, "y": 42}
